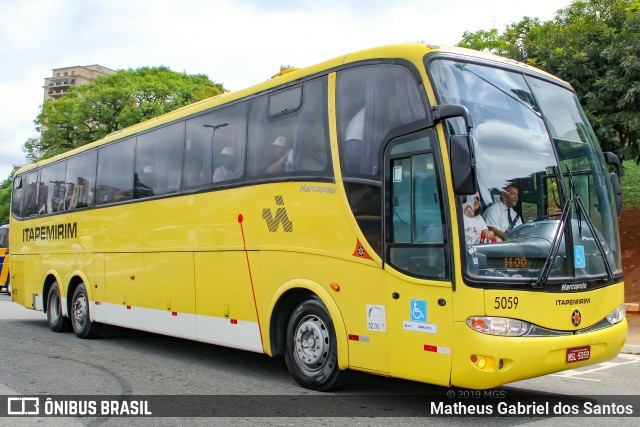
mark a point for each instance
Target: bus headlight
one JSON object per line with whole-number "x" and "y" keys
{"x": 501, "y": 326}
{"x": 617, "y": 314}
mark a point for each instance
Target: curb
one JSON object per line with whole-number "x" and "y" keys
{"x": 633, "y": 307}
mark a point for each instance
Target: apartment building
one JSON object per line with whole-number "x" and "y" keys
{"x": 62, "y": 78}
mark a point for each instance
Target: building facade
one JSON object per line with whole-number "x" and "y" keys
{"x": 56, "y": 85}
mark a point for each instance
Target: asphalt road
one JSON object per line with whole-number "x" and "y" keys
{"x": 250, "y": 388}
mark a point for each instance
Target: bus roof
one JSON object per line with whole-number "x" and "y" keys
{"x": 413, "y": 51}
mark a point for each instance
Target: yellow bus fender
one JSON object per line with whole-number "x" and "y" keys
{"x": 85, "y": 280}
{"x": 338, "y": 323}
{"x": 61, "y": 286}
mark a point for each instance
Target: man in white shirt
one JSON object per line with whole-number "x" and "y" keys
{"x": 500, "y": 217}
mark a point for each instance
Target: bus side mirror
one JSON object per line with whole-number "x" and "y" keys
{"x": 617, "y": 191}
{"x": 612, "y": 159}
{"x": 463, "y": 165}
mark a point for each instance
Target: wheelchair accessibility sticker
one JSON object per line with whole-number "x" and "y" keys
{"x": 578, "y": 257}
{"x": 418, "y": 310}
{"x": 419, "y": 318}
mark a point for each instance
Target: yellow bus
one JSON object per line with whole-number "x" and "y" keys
{"x": 332, "y": 215}
{"x": 5, "y": 281}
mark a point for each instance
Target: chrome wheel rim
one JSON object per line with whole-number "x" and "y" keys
{"x": 79, "y": 312}
{"x": 311, "y": 343}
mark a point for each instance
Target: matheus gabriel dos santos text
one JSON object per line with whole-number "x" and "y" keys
{"x": 530, "y": 408}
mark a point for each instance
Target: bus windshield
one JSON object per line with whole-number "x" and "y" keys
{"x": 544, "y": 211}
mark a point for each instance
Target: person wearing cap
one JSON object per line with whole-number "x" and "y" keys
{"x": 283, "y": 154}
{"x": 229, "y": 167}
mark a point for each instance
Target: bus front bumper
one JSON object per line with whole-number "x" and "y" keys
{"x": 483, "y": 361}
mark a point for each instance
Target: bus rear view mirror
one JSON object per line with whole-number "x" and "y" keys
{"x": 463, "y": 165}
{"x": 613, "y": 160}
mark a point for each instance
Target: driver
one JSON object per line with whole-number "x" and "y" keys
{"x": 501, "y": 217}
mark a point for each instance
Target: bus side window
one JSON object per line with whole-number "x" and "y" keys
{"x": 294, "y": 141}
{"x": 31, "y": 196}
{"x": 270, "y": 140}
{"x": 17, "y": 196}
{"x": 115, "y": 172}
{"x": 209, "y": 138}
{"x": 159, "y": 161}
{"x": 229, "y": 145}
{"x": 80, "y": 179}
{"x": 52, "y": 188}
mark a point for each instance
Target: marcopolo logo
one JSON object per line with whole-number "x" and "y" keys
{"x": 304, "y": 188}
{"x": 280, "y": 218}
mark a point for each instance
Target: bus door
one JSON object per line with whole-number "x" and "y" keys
{"x": 419, "y": 292}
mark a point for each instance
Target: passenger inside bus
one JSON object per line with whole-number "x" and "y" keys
{"x": 229, "y": 166}
{"x": 475, "y": 228}
{"x": 501, "y": 217}
{"x": 282, "y": 153}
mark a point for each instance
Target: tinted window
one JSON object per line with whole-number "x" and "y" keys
{"x": 159, "y": 161}
{"x": 52, "y": 188}
{"x": 286, "y": 101}
{"x": 115, "y": 172}
{"x": 17, "y": 196}
{"x": 31, "y": 197}
{"x": 416, "y": 241}
{"x": 294, "y": 143}
{"x": 81, "y": 179}
{"x": 4, "y": 237}
{"x": 215, "y": 147}
{"x": 372, "y": 101}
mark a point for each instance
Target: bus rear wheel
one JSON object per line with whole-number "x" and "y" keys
{"x": 311, "y": 354}
{"x": 80, "y": 320}
{"x": 57, "y": 322}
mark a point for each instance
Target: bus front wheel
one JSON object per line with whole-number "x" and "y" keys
{"x": 57, "y": 322}
{"x": 80, "y": 320}
{"x": 311, "y": 354}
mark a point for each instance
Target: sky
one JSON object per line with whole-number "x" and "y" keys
{"x": 237, "y": 43}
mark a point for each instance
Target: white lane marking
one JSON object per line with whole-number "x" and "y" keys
{"x": 573, "y": 373}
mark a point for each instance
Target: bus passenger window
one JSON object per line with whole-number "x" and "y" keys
{"x": 17, "y": 196}
{"x": 373, "y": 100}
{"x": 159, "y": 161}
{"x": 215, "y": 147}
{"x": 31, "y": 197}
{"x": 51, "y": 199}
{"x": 80, "y": 180}
{"x": 295, "y": 141}
{"x": 115, "y": 172}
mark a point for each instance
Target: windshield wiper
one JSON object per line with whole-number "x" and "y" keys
{"x": 581, "y": 212}
{"x": 555, "y": 245}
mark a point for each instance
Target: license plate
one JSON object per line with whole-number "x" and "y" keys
{"x": 578, "y": 354}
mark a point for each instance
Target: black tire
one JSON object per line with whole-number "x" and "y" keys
{"x": 312, "y": 354}
{"x": 83, "y": 327}
{"x": 57, "y": 322}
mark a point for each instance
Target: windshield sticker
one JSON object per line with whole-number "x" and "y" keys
{"x": 578, "y": 257}
{"x": 376, "y": 318}
{"x": 397, "y": 174}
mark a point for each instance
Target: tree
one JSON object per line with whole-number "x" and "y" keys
{"x": 5, "y": 198}
{"x": 594, "y": 45}
{"x": 89, "y": 112}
